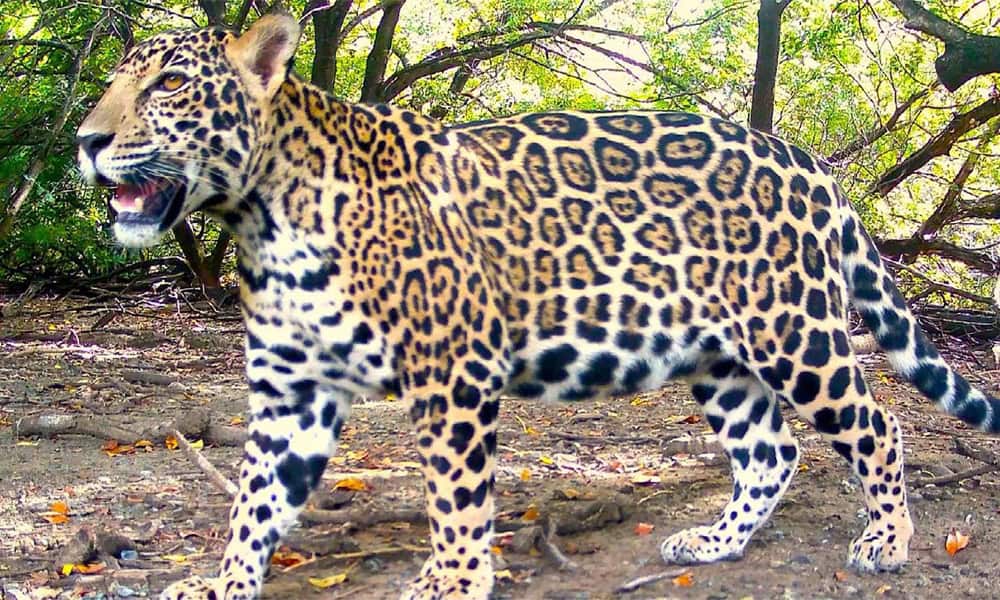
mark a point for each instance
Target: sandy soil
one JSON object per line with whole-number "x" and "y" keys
{"x": 600, "y": 468}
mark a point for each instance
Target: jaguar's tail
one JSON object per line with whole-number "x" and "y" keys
{"x": 874, "y": 295}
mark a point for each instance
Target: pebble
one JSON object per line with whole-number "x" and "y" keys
{"x": 800, "y": 559}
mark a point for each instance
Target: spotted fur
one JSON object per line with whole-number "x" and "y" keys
{"x": 557, "y": 256}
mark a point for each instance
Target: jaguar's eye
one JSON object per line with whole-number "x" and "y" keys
{"x": 171, "y": 82}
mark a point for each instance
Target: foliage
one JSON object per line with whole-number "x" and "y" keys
{"x": 844, "y": 68}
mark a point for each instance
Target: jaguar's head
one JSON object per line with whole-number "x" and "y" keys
{"x": 179, "y": 126}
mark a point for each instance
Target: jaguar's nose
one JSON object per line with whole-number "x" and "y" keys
{"x": 92, "y": 143}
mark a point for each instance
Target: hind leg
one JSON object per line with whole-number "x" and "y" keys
{"x": 763, "y": 454}
{"x": 825, "y": 386}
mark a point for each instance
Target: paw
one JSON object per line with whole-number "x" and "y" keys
{"x": 699, "y": 545}
{"x": 201, "y": 588}
{"x": 875, "y": 552}
{"x": 456, "y": 586}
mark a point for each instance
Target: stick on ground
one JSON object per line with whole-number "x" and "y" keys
{"x": 217, "y": 478}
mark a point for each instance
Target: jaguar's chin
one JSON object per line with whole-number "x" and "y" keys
{"x": 146, "y": 211}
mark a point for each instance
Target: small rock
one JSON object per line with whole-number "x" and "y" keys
{"x": 800, "y": 559}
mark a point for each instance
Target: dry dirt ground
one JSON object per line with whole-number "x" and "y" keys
{"x": 612, "y": 478}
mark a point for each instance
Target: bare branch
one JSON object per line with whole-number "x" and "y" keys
{"x": 937, "y": 145}
{"x": 868, "y": 138}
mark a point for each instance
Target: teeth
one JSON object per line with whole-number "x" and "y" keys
{"x": 134, "y": 204}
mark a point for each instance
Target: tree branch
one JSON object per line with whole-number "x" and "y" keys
{"x": 868, "y": 138}
{"x": 937, "y": 145}
{"x": 947, "y": 209}
{"x": 912, "y": 247}
{"x": 966, "y": 55}
{"x": 449, "y": 58}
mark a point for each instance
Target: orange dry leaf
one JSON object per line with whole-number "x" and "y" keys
{"x": 89, "y": 569}
{"x": 840, "y": 575}
{"x": 644, "y": 528}
{"x": 351, "y": 483}
{"x": 170, "y": 442}
{"x": 287, "y": 558}
{"x": 531, "y": 514}
{"x": 109, "y": 446}
{"x": 148, "y": 445}
{"x": 685, "y": 579}
{"x": 956, "y": 541}
{"x": 237, "y": 421}
{"x": 57, "y": 514}
{"x": 691, "y": 419}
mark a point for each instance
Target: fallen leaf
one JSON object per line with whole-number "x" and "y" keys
{"x": 237, "y": 421}
{"x": 640, "y": 401}
{"x": 644, "y": 528}
{"x": 326, "y": 582}
{"x": 531, "y": 514}
{"x": 59, "y": 507}
{"x": 496, "y": 550}
{"x": 143, "y": 444}
{"x": 691, "y": 419}
{"x": 570, "y": 493}
{"x": 109, "y": 446}
{"x": 840, "y": 575}
{"x": 198, "y": 444}
{"x": 882, "y": 589}
{"x": 503, "y": 574}
{"x": 351, "y": 483}
{"x": 176, "y": 558}
{"x": 89, "y": 569}
{"x": 286, "y": 558}
{"x": 546, "y": 460}
{"x": 170, "y": 442}
{"x": 67, "y": 569}
{"x": 685, "y": 579}
{"x": 645, "y": 479}
{"x": 55, "y": 518}
{"x": 956, "y": 541}
{"x": 27, "y": 443}
{"x": 525, "y": 475}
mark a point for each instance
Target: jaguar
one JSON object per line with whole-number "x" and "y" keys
{"x": 555, "y": 256}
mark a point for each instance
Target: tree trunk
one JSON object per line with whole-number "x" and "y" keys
{"x": 458, "y": 82}
{"x": 371, "y": 89}
{"x": 215, "y": 10}
{"x": 766, "y": 72}
{"x": 191, "y": 248}
{"x": 327, "y": 25}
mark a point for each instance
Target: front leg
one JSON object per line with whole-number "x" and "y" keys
{"x": 294, "y": 429}
{"x": 456, "y": 436}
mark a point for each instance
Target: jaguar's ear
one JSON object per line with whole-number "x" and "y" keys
{"x": 264, "y": 51}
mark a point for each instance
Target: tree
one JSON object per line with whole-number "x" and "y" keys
{"x": 765, "y": 76}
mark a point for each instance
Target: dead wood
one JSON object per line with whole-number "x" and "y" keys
{"x": 990, "y": 457}
{"x": 954, "y": 477}
{"x": 148, "y": 377}
{"x": 631, "y": 586}
{"x": 361, "y": 517}
{"x": 217, "y": 478}
{"x": 196, "y": 424}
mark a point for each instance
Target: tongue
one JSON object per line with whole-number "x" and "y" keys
{"x": 127, "y": 195}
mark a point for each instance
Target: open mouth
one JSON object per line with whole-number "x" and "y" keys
{"x": 152, "y": 203}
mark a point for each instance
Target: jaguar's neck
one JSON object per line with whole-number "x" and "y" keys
{"x": 303, "y": 153}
